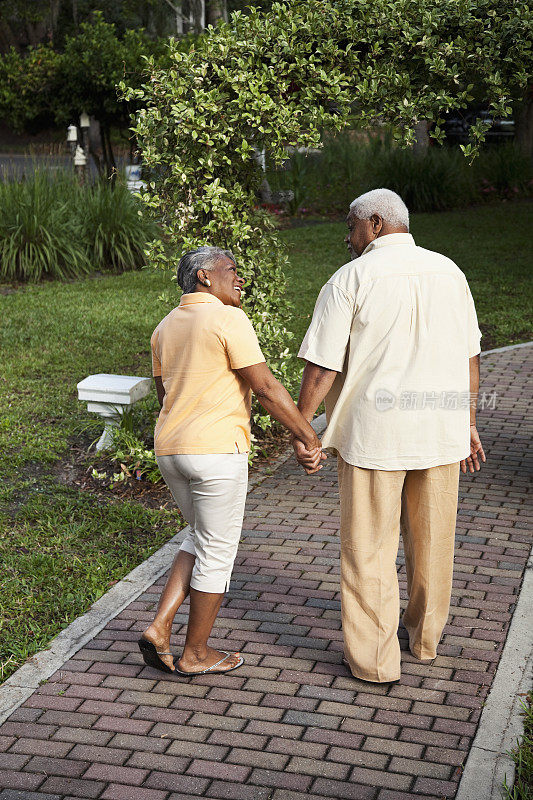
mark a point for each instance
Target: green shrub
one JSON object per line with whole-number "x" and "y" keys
{"x": 51, "y": 227}
{"x": 132, "y": 450}
{"x": 133, "y": 458}
{"x": 115, "y": 232}
{"x": 503, "y": 172}
{"x": 436, "y": 180}
{"x": 40, "y": 233}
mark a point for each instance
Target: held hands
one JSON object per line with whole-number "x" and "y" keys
{"x": 309, "y": 455}
{"x": 476, "y": 452}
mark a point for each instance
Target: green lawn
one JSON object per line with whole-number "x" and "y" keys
{"x": 62, "y": 548}
{"x": 522, "y": 755}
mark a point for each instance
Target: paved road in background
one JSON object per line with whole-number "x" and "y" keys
{"x": 14, "y": 166}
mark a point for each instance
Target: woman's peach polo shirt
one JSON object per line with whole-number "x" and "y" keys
{"x": 196, "y": 350}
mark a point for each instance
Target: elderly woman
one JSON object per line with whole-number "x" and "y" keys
{"x": 206, "y": 361}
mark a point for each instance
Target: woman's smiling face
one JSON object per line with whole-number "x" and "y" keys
{"x": 226, "y": 284}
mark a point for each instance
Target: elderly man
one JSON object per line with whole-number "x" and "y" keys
{"x": 393, "y": 347}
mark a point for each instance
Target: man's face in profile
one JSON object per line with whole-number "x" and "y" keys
{"x": 359, "y": 234}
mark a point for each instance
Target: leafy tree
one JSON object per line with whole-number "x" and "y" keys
{"x": 24, "y": 23}
{"x": 89, "y": 69}
{"x": 268, "y": 80}
{"x": 26, "y": 85}
{"x": 83, "y": 77}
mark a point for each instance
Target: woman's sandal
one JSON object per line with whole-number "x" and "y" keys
{"x": 151, "y": 656}
{"x": 212, "y": 670}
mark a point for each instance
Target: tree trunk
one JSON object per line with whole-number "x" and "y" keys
{"x": 43, "y": 29}
{"x": 38, "y": 32}
{"x": 7, "y": 37}
{"x": 422, "y": 137}
{"x": 104, "y": 149}
{"x": 523, "y": 119}
{"x": 54, "y": 14}
{"x": 112, "y": 174}
{"x": 95, "y": 140}
{"x": 198, "y": 15}
{"x": 215, "y": 11}
{"x": 107, "y": 151}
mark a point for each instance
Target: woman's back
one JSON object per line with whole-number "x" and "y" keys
{"x": 196, "y": 350}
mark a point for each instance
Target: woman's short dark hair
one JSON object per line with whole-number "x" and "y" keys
{"x": 203, "y": 257}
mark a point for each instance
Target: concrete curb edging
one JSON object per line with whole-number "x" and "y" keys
{"x": 505, "y": 349}
{"x": 37, "y": 669}
{"x": 501, "y": 724}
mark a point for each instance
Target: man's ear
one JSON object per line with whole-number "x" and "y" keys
{"x": 377, "y": 223}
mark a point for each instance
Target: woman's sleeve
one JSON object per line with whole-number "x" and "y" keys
{"x": 240, "y": 340}
{"x": 156, "y": 363}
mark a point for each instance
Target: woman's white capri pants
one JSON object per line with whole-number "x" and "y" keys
{"x": 210, "y": 491}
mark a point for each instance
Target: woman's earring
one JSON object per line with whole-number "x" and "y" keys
{"x": 208, "y": 282}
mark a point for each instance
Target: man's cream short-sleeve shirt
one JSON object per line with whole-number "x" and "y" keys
{"x": 196, "y": 350}
{"x": 399, "y": 326}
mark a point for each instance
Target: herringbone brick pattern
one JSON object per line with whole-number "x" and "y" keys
{"x": 292, "y": 724}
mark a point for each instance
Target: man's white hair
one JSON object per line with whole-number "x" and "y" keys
{"x": 384, "y": 202}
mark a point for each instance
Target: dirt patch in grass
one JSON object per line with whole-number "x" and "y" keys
{"x": 76, "y": 470}
{"x": 492, "y": 339}
{"x": 489, "y": 336}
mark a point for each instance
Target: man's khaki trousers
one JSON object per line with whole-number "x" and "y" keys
{"x": 374, "y": 505}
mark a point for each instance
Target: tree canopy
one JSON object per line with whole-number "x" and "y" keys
{"x": 58, "y": 85}
{"x": 24, "y": 24}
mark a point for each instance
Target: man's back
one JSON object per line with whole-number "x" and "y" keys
{"x": 399, "y": 324}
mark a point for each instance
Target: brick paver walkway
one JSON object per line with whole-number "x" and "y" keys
{"x": 292, "y": 724}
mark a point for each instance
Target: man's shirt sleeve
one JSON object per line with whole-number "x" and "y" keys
{"x": 328, "y": 335}
{"x": 473, "y": 332}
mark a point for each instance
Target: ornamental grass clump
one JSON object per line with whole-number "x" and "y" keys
{"x": 352, "y": 163}
{"x": 435, "y": 180}
{"x": 114, "y": 228}
{"x": 504, "y": 172}
{"x": 40, "y": 231}
{"x": 53, "y": 227}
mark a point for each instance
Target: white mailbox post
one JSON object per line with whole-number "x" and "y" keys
{"x": 108, "y": 396}
{"x": 134, "y": 183}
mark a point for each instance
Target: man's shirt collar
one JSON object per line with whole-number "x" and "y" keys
{"x": 193, "y": 298}
{"x": 390, "y": 238}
